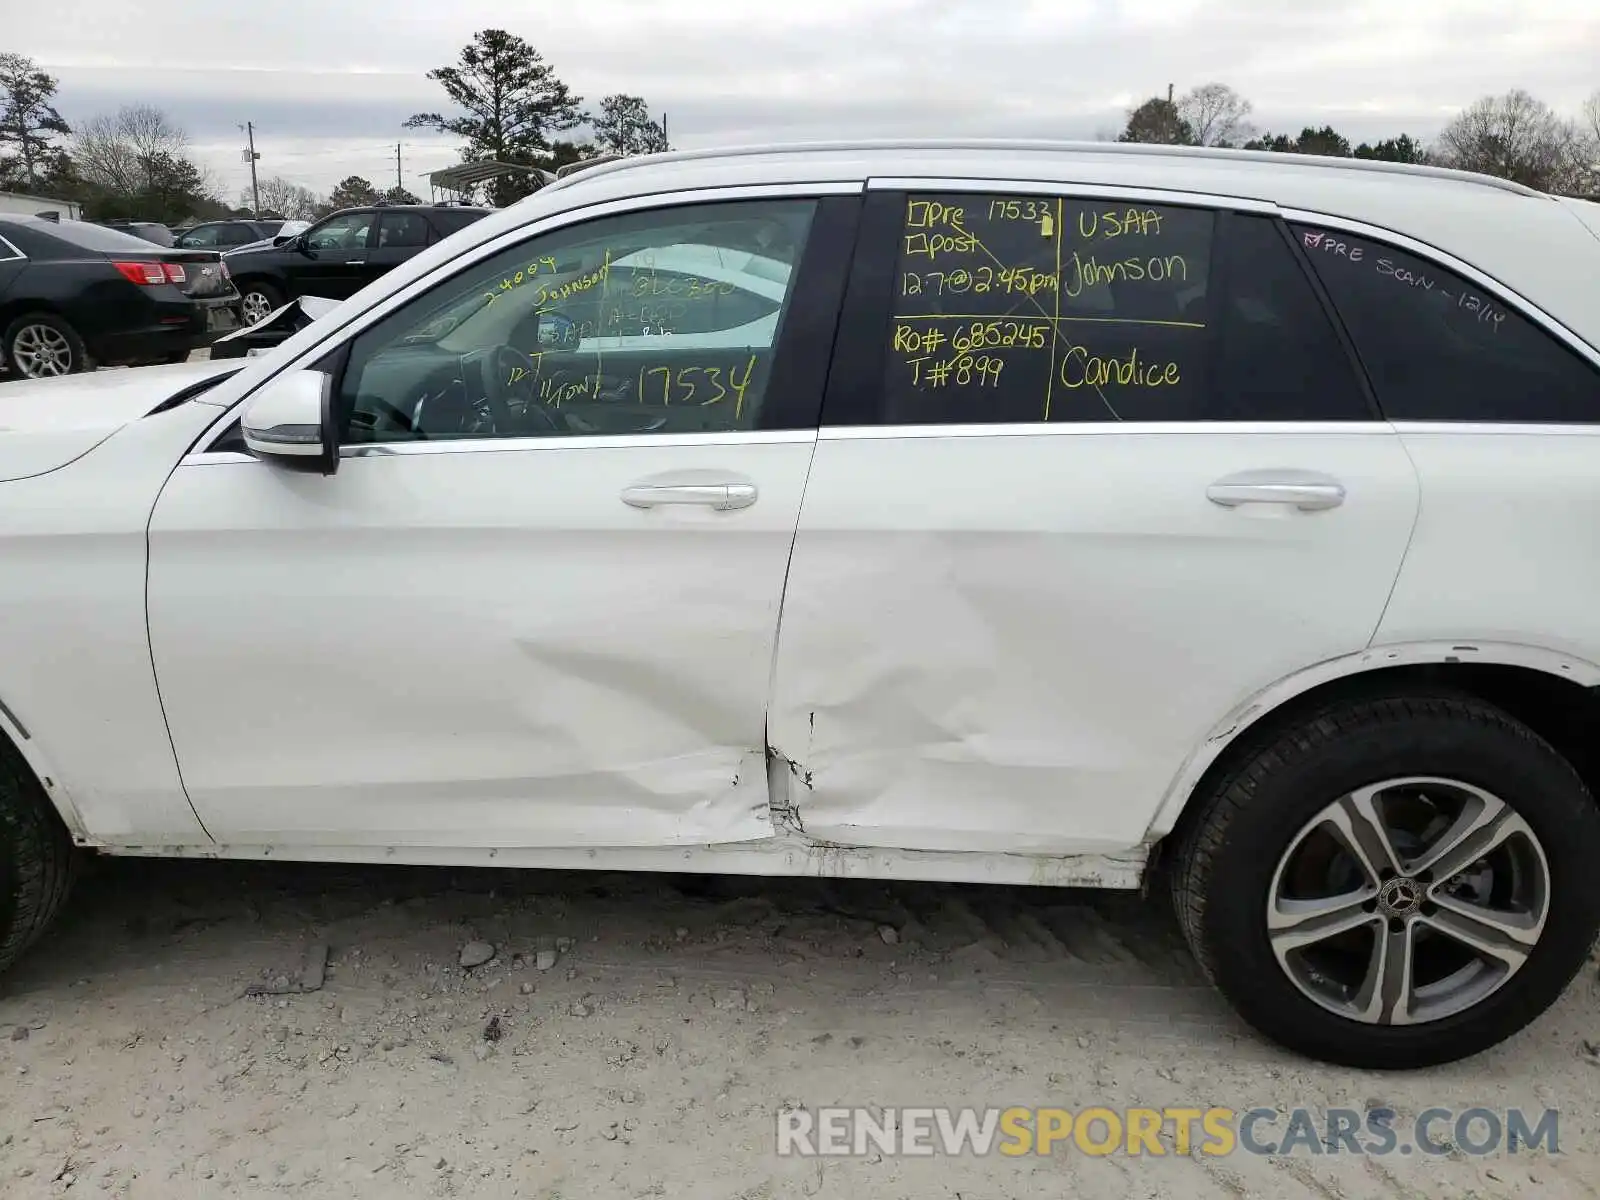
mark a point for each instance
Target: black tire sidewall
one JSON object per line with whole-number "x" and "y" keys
{"x": 1506, "y": 761}
{"x": 80, "y": 352}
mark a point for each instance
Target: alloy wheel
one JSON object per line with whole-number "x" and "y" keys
{"x": 1408, "y": 901}
{"x": 40, "y": 351}
{"x": 256, "y": 307}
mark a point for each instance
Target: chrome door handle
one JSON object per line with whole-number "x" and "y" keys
{"x": 356, "y": 262}
{"x": 720, "y": 496}
{"x": 1303, "y": 491}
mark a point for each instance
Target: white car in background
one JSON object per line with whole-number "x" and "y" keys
{"x": 996, "y": 512}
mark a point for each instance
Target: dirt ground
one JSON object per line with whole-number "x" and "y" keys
{"x": 672, "y": 1017}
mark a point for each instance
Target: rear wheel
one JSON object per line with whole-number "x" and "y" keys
{"x": 42, "y": 345}
{"x": 1393, "y": 883}
{"x": 259, "y": 300}
{"x": 37, "y": 859}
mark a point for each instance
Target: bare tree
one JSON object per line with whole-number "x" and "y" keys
{"x": 1519, "y": 138}
{"x": 289, "y": 201}
{"x": 1591, "y": 117}
{"x": 125, "y": 152}
{"x": 1216, "y": 114}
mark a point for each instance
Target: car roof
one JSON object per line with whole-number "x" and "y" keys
{"x": 1521, "y": 237}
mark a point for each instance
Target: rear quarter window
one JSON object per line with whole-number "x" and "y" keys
{"x": 1438, "y": 347}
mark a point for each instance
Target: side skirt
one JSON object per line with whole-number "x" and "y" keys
{"x": 787, "y": 854}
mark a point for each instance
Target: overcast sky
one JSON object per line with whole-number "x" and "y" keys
{"x": 328, "y": 83}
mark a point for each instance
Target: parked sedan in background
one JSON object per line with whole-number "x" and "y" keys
{"x": 74, "y": 295}
{"x": 151, "y": 231}
{"x": 212, "y": 235}
{"x": 341, "y": 254}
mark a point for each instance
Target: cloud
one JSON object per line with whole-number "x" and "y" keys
{"x": 330, "y": 84}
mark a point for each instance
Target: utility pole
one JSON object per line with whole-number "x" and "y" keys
{"x": 399, "y": 181}
{"x": 250, "y": 156}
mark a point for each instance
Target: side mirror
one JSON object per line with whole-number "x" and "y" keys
{"x": 285, "y": 239}
{"x": 290, "y": 422}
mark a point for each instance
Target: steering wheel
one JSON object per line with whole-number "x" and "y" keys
{"x": 399, "y": 414}
{"x": 498, "y": 372}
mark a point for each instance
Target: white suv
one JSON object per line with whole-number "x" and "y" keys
{"x": 1068, "y": 515}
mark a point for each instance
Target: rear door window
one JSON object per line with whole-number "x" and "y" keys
{"x": 1438, "y": 347}
{"x": 1021, "y": 309}
{"x": 402, "y": 229}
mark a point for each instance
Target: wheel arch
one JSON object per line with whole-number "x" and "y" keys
{"x": 11, "y": 309}
{"x": 245, "y": 279}
{"x": 19, "y": 738}
{"x": 1554, "y": 693}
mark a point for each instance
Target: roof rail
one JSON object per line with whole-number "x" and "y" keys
{"x": 1016, "y": 145}
{"x": 573, "y": 168}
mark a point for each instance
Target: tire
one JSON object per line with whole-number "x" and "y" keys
{"x": 258, "y": 298}
{"x": 41, "y": 345}
{"x": 1256, "y": 828}
{"x": 37, "y": 860}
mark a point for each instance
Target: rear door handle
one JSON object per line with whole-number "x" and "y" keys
{"x": 720, "y": 496}
{"x": 1303, "y": 490}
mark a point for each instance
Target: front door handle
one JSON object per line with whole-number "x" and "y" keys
{"x": 1301, "y": 489}
{"x": 720, "y": 496}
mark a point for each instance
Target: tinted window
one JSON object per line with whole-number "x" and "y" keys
{"x": 1439, "y": 348}
{"x": 655, "y": 322}
{"x": 448, "y": 220}
{"x": 402, "y": 229}
{"x": 1280, "y": 358}
{"x": 1022, "y": 309}
{"x": 201, "y": 236}
{"x": 81, "y": 235}
{"x": 236, "y": 234}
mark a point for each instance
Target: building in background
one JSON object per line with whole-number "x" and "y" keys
{"x": 36, "y": 206}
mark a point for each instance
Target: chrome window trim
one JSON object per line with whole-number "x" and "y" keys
{"x": 1065, "y": 189}
{"x": 581, "y": 214}
{"x": 631, "y": 441}
{"x": 15, "y": 255}
{"x": 868, "y": 433}
{"x": 1443, "y": 258}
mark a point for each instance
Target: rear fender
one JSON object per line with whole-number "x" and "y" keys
{"x": 1375, "y": 658}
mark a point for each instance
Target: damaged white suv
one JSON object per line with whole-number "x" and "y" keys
{"x": 1068, "y": 515}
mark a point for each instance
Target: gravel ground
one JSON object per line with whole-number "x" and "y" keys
{"x": 634, "y": 1035}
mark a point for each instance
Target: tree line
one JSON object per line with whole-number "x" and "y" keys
{"x": 136, "y": 163}
{"x": 510, "y": 106}
{"x": 1514, "y": 136}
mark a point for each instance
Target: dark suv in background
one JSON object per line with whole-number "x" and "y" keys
{"x": 74, "y": 295}
{"x": 341, "y": 254}
{"x": 223, "y": 235}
